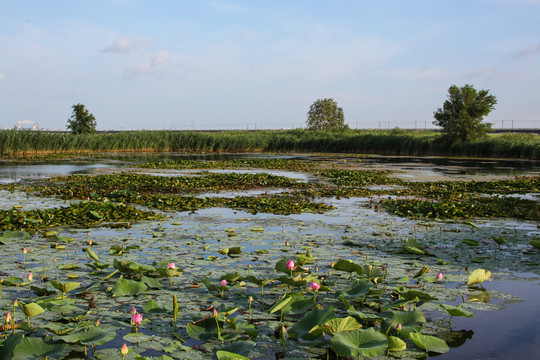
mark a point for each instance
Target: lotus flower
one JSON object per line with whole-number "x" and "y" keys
{"x": 291, "y": 266}
{"x": 30, "y": 276}
{"x": 171, "y": 266}
{"x": 223, "y": 283}
{"x": 439, "y": 277}
{"x": 315, "y": 286}
{"x": 133, "y": 311}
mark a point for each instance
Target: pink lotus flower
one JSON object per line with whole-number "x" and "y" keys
{"x": 315, "y": 286}
{"x": 137, "y": 319}
{"x": 291, "y": 266}
{"x": 30, "y": 276}
{"x": 133, "y": 311}
{"x": 171, "y": 266}
{"x": 223, "y": 283}
{"x": 439, "y": 276}
{"x": 124, "y": 350}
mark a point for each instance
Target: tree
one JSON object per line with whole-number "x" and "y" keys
{"x": 81, "y": 121}
{"x": 462, "y": 114}
{"x": 325, "y": 114}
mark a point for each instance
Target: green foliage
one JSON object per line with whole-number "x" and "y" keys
{"x": 325, "y": 114}
{"x": 81, "y": 121}
{"x": 461, "y": 115}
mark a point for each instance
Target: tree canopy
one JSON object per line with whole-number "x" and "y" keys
{"x": 81, "y": 121}
{"x": 325, "y": 114}
{"x": 462, "y": 114}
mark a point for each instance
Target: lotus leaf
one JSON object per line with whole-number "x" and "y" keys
{"x": 478, "y": 276}
{"x": 359, "y": 343}
{"x": 125, "y": 287}
{"x": 302, "y": 329}
{"x": 332, "y": 326}
{"x": 396, "y": 344}
{"x": 31, "y": 309}
{"x": 429, "y": 343}
{"x": 535, "y": 243}
{"x": 358, "y": 289}
{"x": 35, "y": 348}
{"x": 89, "y": 336}
{"x": 225, "y": 355}
{"x": 457, "y": 311}
{"x": 411, "y": 321}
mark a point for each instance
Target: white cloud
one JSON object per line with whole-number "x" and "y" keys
{"x": 125, "y": 45}
{"x": 141, "y": 69}
{"x": 527, "y": 53}
{"x": 161, "y": 58}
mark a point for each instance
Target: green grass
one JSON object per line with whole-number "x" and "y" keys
{"x": 384, "y": 142}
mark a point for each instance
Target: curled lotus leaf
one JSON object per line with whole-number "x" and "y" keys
{"x": 478, "y": 276}
{"x": 31, "y": 309}
{"x": 396, "y": 344}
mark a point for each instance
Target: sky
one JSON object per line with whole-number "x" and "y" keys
{"x": 249, "y": 64}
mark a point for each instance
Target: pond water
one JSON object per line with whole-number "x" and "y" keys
{"x": 510, "y": 331}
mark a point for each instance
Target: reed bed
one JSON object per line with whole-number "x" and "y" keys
{"x": 384, "y": 142}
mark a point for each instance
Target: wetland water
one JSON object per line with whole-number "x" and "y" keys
{"x": 506, "y": 322}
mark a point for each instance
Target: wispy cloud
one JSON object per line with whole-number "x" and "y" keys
{"x": 527, "y": 53}
{"x": 125, "y": 45}
{"x": 161, "y": 58}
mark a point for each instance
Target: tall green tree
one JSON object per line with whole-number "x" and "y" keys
{"x": 462, "y": 114}
{"x": 81, "y": 121}
{"x": 325, "y": 114}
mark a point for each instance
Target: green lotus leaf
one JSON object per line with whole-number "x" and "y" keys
{"x": 116, "y": 250}
{"x": 243, "y": 348}
{"x": 470, "y": 242}
{"x": 280, "y": 304}
{"x": 151, "y": 306}
{"x": 302, "y": 329}
{"x": 412, "y": 246}
{"x": 363, "y": 316}
{"x": 457, "y": 311}
{"x": 411, "y": 321}
{"x": 7, "y": 347}
{"x": 204, "y": 329}
{"x": 359, "y": 288}
{"x": 478, "y": 276}
{"x": 175, "y": 346}
{"x": 92, "y": 254}
{"x": 499, "y": 240}
{"x": 421, "y": 272}
{"x": 225, "y": 355}
{"x": 347, "y": 266}
{"x": 297, "y": 281}
{"x": 535, "y": 243}
{"x": 231, "y": 278}
{"x": 332, "y": 326}
{"x": 151, "y": 282}
{"x": 169, "y": 272}
{"x": 396, "y": 344}
{"x": 412, "y": 294}
{"x": 37, "y": 348}
{"x": 359, "y": 343}
{"x": 125, "y": 287}
{"x": 64, "y": 287}
{"x": 429, "y": 343}
{"x": 13, "y": 281}
{"x": 31, "y": 309}
{"x": 90, "y": 335}
{"x": 20, "y": 235}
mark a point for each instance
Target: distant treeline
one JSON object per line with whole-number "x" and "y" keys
{"x": 383, "y": 142}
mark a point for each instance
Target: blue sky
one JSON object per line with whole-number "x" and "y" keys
{"x": 223, "y": 64}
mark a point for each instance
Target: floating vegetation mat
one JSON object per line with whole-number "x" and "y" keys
{"x": 137, "y": 267}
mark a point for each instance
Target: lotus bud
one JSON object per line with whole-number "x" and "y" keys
{"x": 286, "y": 243}
{"x": 249, "y": 266}
{"x": 250, "y": 299}
{"x": 214, "y": 312}
{"x": 24, "y": 251}
{"x": 171, "y": 266}
{"x": 398, "y": 327}
{"x": 16, "y": 303}
{"x": 283, "y": 330}
{"x": 332, "y": 264}
{"x": 133, "y": 311}
{"x": 8, "y": 317}
{"x": 31, "y": 251}
{"x": 439, "y": 276}
{"x": 90, "y": 242}
{"x": 223, "y": 283}
{"x": 315, "y": 286}
{"x": 30, "y": 276}
{"x": 137, "y": 319}
{"x": 97, "y": 323}
{"x": 124, "y": 350}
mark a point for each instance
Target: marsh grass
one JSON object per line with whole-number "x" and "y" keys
{"x": 383, "y": 142}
